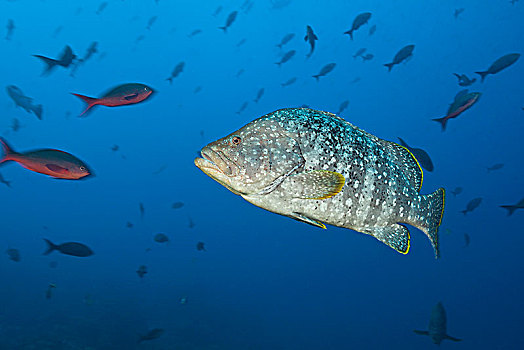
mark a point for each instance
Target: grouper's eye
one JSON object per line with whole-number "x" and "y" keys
{"x": 83, "y": 168}
{"x": 235, "y": 140}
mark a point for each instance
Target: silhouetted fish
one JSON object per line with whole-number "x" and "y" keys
{"x": 66, "y": 59}
{"x": 472, "y": 205}
{"x": 15, "y": 125}
{"x": 287, "y": 56}
{"x": 177, "y": 205}
{"x": 13, "y": 254}
{"x": 151, "y": 21}
{"x": 287, "y": 38}
{"x": 463, "y": 101}
{"x": 260, "y": 93}
{"x": 437, "y": 325}
{"x": 217, "y": 11}
{"x": 70, "y": 248}
{"x": 500, "y": 64}
{"x": 456, "y": 191}
{"x": 358, "y": 22}
{"x": 367, "y": 57}
{"x": 230, "y": 19}
{"x": 151, "y": 335}
{"x": 422, "y": 156}
{"x": 49, "y": 290}
{"x": 4, "y": 181}
{"x": 359, "y": 52}
{"x": 373, "y": 29}
{"x": 179, "y": 68}
{"x": 142, "y": 270}
{"x": 23, "y": 101}
{"x": 242, "y": 107}
{"x": 325, "y": 70}
{"x": 497, "y": 166}
{"x": 343, "y": 107}
{"x": 458, "y": 12}
{"x": 161, "y": 238}
{"x": 404, "y": 53}
{"x": 463, "y": 79}
{"x": 10, "y": 29}
{"x": 467, "y": 240}
{"x": 288, "y": 82}
{"x": 101, "y": 7}
{"x": 200, "y": 246}
{"x": 194, "y": 32}
{"x": 142, "y": 209}
{"x": 310, "y": 38}
{"x": 511, "y": 208}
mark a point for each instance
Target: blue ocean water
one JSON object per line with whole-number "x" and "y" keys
{"x": 264, "y": 281}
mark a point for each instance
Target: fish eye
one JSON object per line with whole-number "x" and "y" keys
{"x": 82, "y": 168}
{"x": 235, "y": 140}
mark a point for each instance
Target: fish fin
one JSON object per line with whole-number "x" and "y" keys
{"x": 57, "y": 168}
{"x": 316, "y": 184}
{"x": 131, "y": 97}
{"x": 303, "y": 218}
{"x": 452, "y": 338}
{"x": 8, "y": 151}
{"x": 429, "y": 216}
{"x": 170, "y": 79}
{"x": 395, "y": 236}
{"x": 421, "y": 332}
{"x": 389, "y": 65}
{"x": 37, "y": 110}
{"x": 443, "y": 121}
{"x": 316, "y": 76}
{"x": 50, "y": 247}
{"x": 91, "y": 102}
{"x": 223, "y": 28}
{"x": 458, "y": 76}
{"x": 350, "y": 33}
{"x": 482, "y": 75}
{"x": 509, "y": 208}
{"x": 50, "y": 63}
{"x": 403, "y": 143}
{"x": 305, "y": 38}
{"x": 408, "y": 163}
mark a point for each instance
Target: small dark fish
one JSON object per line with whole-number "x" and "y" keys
{"x": 513, "y": 2}
{"x": 497, "y": 166}
{"x": 151, "y": 21}
{"x": 511, "y": 208}
{"x": 139, "y": 38}
{"x": 52, "y": 162}
{"x": 122, "y": 95}
{"x": 358, "y": 22}
{"x": 310, "y": 38}
{"x": 4, "y": 181}
{"x": 91, "y": 50}
{"x": 53, "y": 264}
{"x": 70, "y": 248}
{"x": 191, "y": 223}
{"x": 279, "y": 4}
{"x": 179, "y": 68}
{"x": 472, "y": 205}
{"x": 240, "y": 72}
{"x": 241, "y": 42}
{"x": 458, "y": 12}
{"x": 422, "y": 156}
{"x": 23, "y": 101}
{"x": 463, "y": 101}
{"x": 287, "y": 56}
{"x": 142, "y": 209}
{"x": 356, "y": 80}
{"x": 10, "y": 29}
{"x": 161, "y": 238}
{"x": 367, "y": 57}
{"x": 437, "y": 325}
{"x": 159, "y": 170}
{"x": 260, "y": 93}
{"x": 500, "y": 64}
{"x": 287, "y": 38}
{"x": 49, "y": 291}
{"x": 194, "y": 32}
{"x": 129, "y": 224}
{"x": 15, "y": 125}
{"x": 101, "y": 7}
{"x": 151, "y": 335}
{"x": 463, "y": 79}
{"x": 242, "y": 108}
{"x": 197, "y": 89}
{"x": 217, "y": 11}
{"x": 467, "y": 239}
{"x": 456, "y": 191}
{"x": 115, "y": 148}
{"x": 230, "y": 19}
{"x": 359, "y": 52}
{"x": 373, "y": 29}
{"x": 404, "y": 53}
{"x": 13, "y": 254}
{"x": 289, "y": 82}
{"x": 177, "y": 205}
{"x": 325, "y": 70}
{"x": 66, "y": 59}
{"x": 343, "y": 107}
{"x": 57, "y": 31}
{"x": 142, "y": 270}
{"x": 200, "y": 246}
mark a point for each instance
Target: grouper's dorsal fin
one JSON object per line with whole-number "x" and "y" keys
{"x": 407, "y": 163}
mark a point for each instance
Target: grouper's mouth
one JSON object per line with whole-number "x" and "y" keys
{"x": 216, "y": 166}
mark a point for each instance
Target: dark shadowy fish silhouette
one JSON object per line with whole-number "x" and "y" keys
{"x": 129, "y": 224}
{"x": 91, "y": 50}
{"x": 358, "y": 22}
{"x": 239, "y": 72}
{"x": 463, "y": 79}
{"x": 404, "y": 53}
{"x": 122, "y": 95}
{"x": 343, "y": 107}
{"x": 241, "y": 42}
{"x": 456, "y": 191}
{"x": 359, "y": 52}
{"x": 287, "y": 56}
{"x": 217, "y": 11}
{"x": 242, "y": 108}
{"x": 197, "y": 89}
{"x": 151, "y": 335}
{"x": 57, "y": 31}
{"x": 472, "y": 205}
{"x": 229, "y": 21}
{"x": 458, "y": 12}
{"x": 70, "y": 248}
{"x": 325, "y": 70}
{"x": 467, "y": 240}
{"x": 115, "y": 148}
{"x": 49, "y": 290}
{"x": 23, "y": 101}
{"x": 356, "y": 80}
{"x": 437, "y": 325}
{"x": 13, "y": 254}
{"x": 513, "y": 2}
{"x": 287, "y": 38}
{"x": 161, "y": 238}
{"x": 177, "y": 205}
{"x": 279, "y": 4}
{"x": 500, "y": 64}
{"x": 373, "y": 29}
{"x": 151, "y": 21}
{"x": 101, "y": 7}
{"x": 511, "y": 208}
{"x": 191, "y": 223}
{"x": 310, "y": 38}
{"x": 194, "y": 32}
{"x": 260, "y": 93}
{"x": 142, "y": 270}
{"x": 4, "y": 181}
{"x": 317, "y": 168}
{"x": 288, "y": 82}
{"x": 66, "y": 59}
{"x": 10, "y": 29}
{"x": 179, "y": 68}
{"x": 141, "y": 209}
{"x": 497, "y": 166}
{"x": 367, "y": 57}
{"x": 52, "y": 162}
{"x": 139, "y": 38}
{"x": 200, "y": 246}
{"x": 159, "y": 170}
{"x": 422, "y": 156}
{"x": 463, "y": 101}
{"x": 15, "y": 125}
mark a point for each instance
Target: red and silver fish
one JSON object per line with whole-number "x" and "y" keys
{"x": 463, "y": 101}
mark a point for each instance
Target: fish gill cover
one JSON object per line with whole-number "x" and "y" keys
{"x": 143, "y": 250}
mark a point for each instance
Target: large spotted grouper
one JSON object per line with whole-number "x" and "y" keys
{"x": 317, "y": 168}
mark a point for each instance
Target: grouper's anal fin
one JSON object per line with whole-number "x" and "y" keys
{"x": 395, "y": 236}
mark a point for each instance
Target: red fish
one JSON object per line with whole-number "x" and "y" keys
{"x": 121, "y": 95}
{"x": 463, "y": 100}
{"x": 52, "y": 162}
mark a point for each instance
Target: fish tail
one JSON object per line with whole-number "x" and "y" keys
{"x": 50, "y": 63}
{"x": 170, "y": 79}
{"x": 89, "y": 100}
{"x": 7, "y": 150}
{"x": 278, "y": 64}
{"x": 464, "y": 211}
{"x": 317, "y": 77}
{"x": 431, "y": 211}
{"x": 37, "y": 110}
{"x": 509, "y": 208}
{"x": 482, "y": 75}
{"x": 223, "y": 28}
{"x": 389, "y": 65}
{"x": 50, "y": 246}
{"x": 443, "y": 121}
{"x": 350, "y": 33}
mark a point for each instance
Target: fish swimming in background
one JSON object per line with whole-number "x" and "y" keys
{"x": 437, "y": 325}
{"x": 287, "y": 56}
{"x": 129, "y": 224}
{"x": 456, "y": 191}
{"x": 279, "y": 4}
{"x": 367, "y": 57}
{"x": 101, "y": 7}
{"x": 405, "y": 53}
{"x": 13, "y": 254}
{"x": 141, "y": 209}
{"x": 57, "y": 31}
{"x": 310, "y": 38}
{"x": 500, "y": 64}
{"x": 70, "y": 248}
{"x": 325, "y": 70}
{"x": 122, "y": 95}
{"x": 190, "y": 223}
{"x": 241, "y": 42}
{"x": 242, "y": 108}
{"x": 458, "y": 12}
{"x": 200, "y": 246}
{"x": 358, "y": 22}
{"x": 373, "y": 29}
{"x": 179, "y": 68}
{"x": 177, "y": 205}
{"x": 260, "y": 93}
{"x": 49, "y": 291}
{"x": 287, "y": 38}
{"x": 10, "y": 29}
{"x": 142, "y": 270}
{"x": 23, "y": 101}
{"x": 343, "y": 107}
{"x": 161, "y": 238}
{"x": 467, "y": 240}
{"x": 359, "y": 52}
{"x": 151, "y": 335}
{"x": 229, "y": 21}
{"x": 463, "y": 79}
{"x": 217, "y": 11}
{"x": 91, "y": 50}
{"x": 52, "y": 162}
{"x": 66, "y": 59}
{"x": 317, "y": 168}
{"x": 462, "y": 102}
{"x": 494, "y": 167}
{"x": 4, "y": 181}
{"x": 239, "y": 72}
{"x": 194, "y": 32}
{"x": 15, "y": 125}
{"x": 151, "y": 21}
{"x": 472, "y": 205}
{"x": 511, "y": 208}
{"x": 422, "y": 156}
{"x": 197, "y": 89}
{"x": 288, "y": 82}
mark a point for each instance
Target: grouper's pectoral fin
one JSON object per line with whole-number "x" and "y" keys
{"x": 395, "y": 236}
{"x": 303, "y": 218}
{"x": 421, "y": 332}
{"x": 316, "y": 184}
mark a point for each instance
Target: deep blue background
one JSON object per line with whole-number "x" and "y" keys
{"x": 266, "y": 282}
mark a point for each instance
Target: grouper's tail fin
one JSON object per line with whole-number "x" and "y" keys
{"x": 430, "y": 214}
